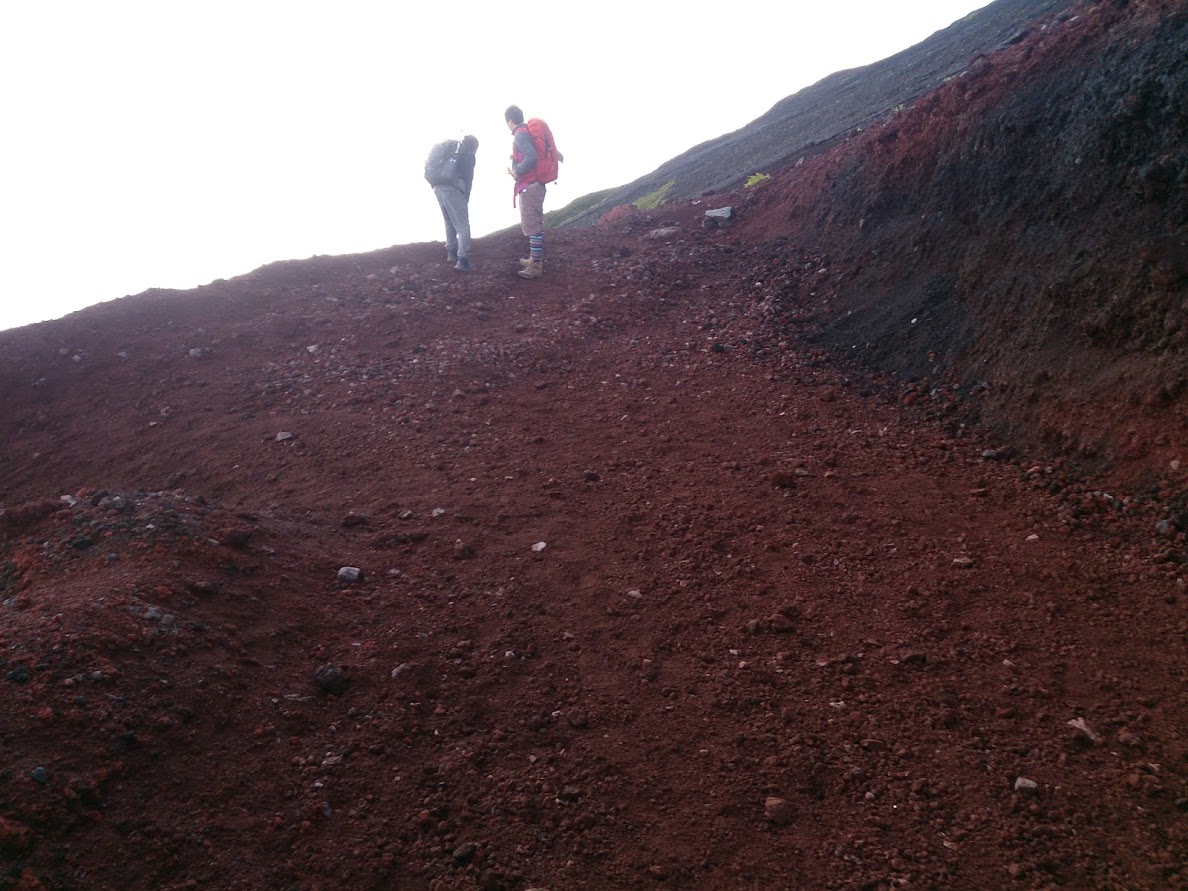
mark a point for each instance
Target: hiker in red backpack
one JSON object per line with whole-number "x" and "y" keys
{"x": 534, "y": 163}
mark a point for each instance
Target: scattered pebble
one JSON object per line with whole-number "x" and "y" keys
{"x": 330, "y": 679}
{"x": 350, "y": 574}
{"x": 1081, "y": 725}
{"x": 777, "y": 811}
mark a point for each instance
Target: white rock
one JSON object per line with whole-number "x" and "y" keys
{"x": 666, "y": 232}
{"x": 1081, "y": 725}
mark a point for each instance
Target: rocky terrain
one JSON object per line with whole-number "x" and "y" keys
{"x": 839, "y": 548}
{"x": 816, "y": 118}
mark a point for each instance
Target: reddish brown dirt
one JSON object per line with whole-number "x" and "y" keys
{"x": 633, "y": 568}
{"x": 655, "y": 590}
{"x": 1019, "y": 239}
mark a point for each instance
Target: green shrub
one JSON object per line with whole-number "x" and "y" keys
{"x": 654, "y": 200}
{"x": 757, "y": 178}
{"x": 576, "y": 208}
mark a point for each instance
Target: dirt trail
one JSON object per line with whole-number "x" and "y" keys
{"x": 652, "y": 594}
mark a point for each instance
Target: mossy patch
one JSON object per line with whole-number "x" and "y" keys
{"x": 655, "y": 199}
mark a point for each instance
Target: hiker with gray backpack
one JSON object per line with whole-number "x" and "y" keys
{"x": 450, "y": 170}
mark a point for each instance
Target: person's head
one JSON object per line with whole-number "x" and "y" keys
{"x": 513, "y": 116}
{"x": 469, "y": 144}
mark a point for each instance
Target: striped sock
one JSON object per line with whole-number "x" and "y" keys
{"x": 536, "y": 247}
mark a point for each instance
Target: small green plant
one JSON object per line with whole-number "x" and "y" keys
{"x": 577, "y": 207}
{"x": 756, "y": 178}
{"x": 654, "y": 200}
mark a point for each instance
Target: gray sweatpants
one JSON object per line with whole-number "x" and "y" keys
{"x": 456, "y": 213}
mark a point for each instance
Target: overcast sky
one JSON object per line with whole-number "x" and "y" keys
{"x": 168, "y": 144}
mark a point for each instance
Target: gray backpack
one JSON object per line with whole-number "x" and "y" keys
{"x": 441, "y": 167}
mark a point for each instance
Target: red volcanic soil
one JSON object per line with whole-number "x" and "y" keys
{"x": 361, "y": 573}
{"x": 650, "y": 596}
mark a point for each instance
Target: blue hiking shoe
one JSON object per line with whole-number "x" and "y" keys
{"x": 464, "y": 265}
{"x": 451, "y": 256}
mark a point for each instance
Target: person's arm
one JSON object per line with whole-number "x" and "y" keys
{"x": 467, "y": 162}
{"x": 524, "y": 147}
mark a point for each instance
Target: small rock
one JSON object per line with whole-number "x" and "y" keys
{"x": 39, "y": 775}
{"x": 234, "y": 538}
{"x": 569, "y": 793}
{"x": 114, "y": 502}
{"x": 1081, "y": 725}
{"x": 780, "y": 624}
{"x": 350, "y": 521}
{"x": 462, "y": 550}
{"x": 539, "y": 546}
{"x": 963, "y": 562}
{"x": 18, "y": 675}
{"x": 464, "y": 853}
{"x": 665, "y": 232}
{"x": 1022, "y": 784}
{"x": 329, "y": 678}
{"x": 350, "y": 574}
{"x": 777, "y": 811}
{"x": 1128, "y": 738}
{"x": 284, "y": 436}
{"x": 592, "y": 476}
{"x": 401, "y": 669}
{"x": 14, "y": 837}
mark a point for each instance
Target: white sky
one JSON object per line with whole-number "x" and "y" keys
{"x": 172, "y": 142}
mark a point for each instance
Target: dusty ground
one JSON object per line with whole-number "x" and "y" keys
{"x": 623, "y": 588}
{"x": 654, "y": 591}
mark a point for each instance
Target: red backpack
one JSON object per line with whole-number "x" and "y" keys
{"x": 547, "y": 159}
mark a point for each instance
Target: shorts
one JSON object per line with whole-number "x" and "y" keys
{"x": 531, "y": 203}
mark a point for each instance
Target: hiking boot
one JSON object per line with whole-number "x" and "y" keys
{"x": 534, "y": 269}
{"x": 451, "y": 256}
{"x": 525, "y": 261}
{"x": 464, "y": 265}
